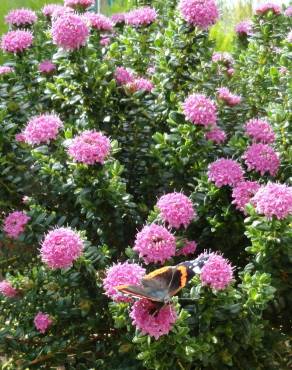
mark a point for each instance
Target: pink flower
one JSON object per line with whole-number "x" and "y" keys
{"x": 20, "y": 138}
{"x": 260, "y": 130}
{"x": 90, "y": 147}
{"x": 141, "y": 84}
{"x": 223, "y": 57}
{"x": 243, "y": 192}
{"x": 141, "y": 16}
{"x": 42, "y": 129}
{"x": 14, "y": 223}
{"x": 16, "y": 41}
{"x": 75, "y": 4}
{"x": 230, "y": 71}
{"x": 217, "y": 272}
{"x": 61, "y": 247}
{"x": 104, "y": 41}
{"x": 7, "y": 289}
{"x": 289, "y": 36}
{"x": 189, "y": 248}
{"x": 42, "y": 322}
{"x": 4, "y": 70}
{"x": 49, "y": 9}
{"x": 264, "y": 8}
{"x": 99, "y": 21}
{"x": 176, "y": 209}
{"x": 118, "y": 18}
{"x": 229, "y": 98}
{"x": 70, "y": 32}
{"x": 283, "y": 70}
{"x": 225, "y": 172}
{"x": 288, "y": 11}
{"x": 200, "y": 110}
{"x": 122, "y": 274}
{"x": 151, "y": 70}
{"x": 262, "y": 158}
{"x": 199, "y": 13}
{"x": 61, "y": 11}
{"x": 47, "y": 67}
{"x": 123, "y": 76}
{"x": 151, "y": 323}
{"x": 274, "y": 200}
{"x": 21, "y": 17}
{"x": 244, "y": 28}
{"x": 155, "y": 243}
{"x": 216, "y": 135}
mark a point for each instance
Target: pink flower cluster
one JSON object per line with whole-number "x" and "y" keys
{"x": 123, "y": 76}
{"x": 90, "y": 147}
{"x": 14, "y": 223}
{"x": 155, "y": 243}
{"x": 61, "y": 247}
{"x": 75, "y": 4}
{"x": 288, "y": 11}
{"x": 262, "y": 158}
{"x": 141, "y": 16}
{"x": 260, "y": 130}
{"x": 274, "y": 200}
{"x": 155, "y": 325}
{"x": 118, "y": 18}
{"x": 225, "y": 172}
{"x": 243, "y": 192}
{"x": 176, "y": 209}
{"x": 42, "y": 129}
{"x": 217, "y": 272}
{"x": 21, "y": 17}
{"x": 122, "y": 274}
{"x": 104, "y": 41}
{"x": 216, "y": 135}
{"x": 199, "y": 13}
{"x": 141, "y": 84}
{"x": 283, "y": 70}
{"x": 189, "y": 248}
{"x": 16, "y": 41}
{"x": 70, "y": 32}
{"x": 4, "y": 70}
{"x": 47, "y": 67}
{"x": 49, "y": 9}
{"x": 229, "y": 98}
{"x": 200, "y": 110}
{"x": 265, "y": 8}
{"x": 223, "y": 57}
{"x": 99, "y": 21}
{"x": 7, "y": 289}
{"x": 42, "y": 322}
{"x": 244, "y": 28}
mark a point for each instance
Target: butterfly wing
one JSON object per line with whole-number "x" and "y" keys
{"x": 137, "y": 291}
{"x": 166, "y": 281}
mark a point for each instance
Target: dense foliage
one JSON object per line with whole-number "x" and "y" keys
{"x": 128, "y": 145}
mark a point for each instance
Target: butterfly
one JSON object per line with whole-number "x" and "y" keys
{"x": 162, "y": 284}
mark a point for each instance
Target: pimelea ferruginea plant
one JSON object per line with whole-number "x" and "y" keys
{"x": 135, "y": 157}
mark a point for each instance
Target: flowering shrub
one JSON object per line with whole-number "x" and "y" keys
{"x": 146, "y": 172}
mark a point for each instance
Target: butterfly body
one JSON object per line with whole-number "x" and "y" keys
{"x": 162, "y": 284}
